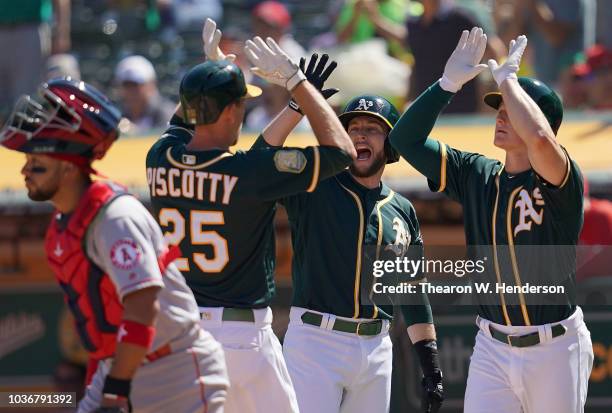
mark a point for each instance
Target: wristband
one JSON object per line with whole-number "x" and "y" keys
{"x": 293, "y": 105}
{"x": 297, "y": 78}
{"x": 116, "y": 388}
{"x": 449, "y": 85}
{"x": 427, "y": 350}
{"x": 135, "y": 333}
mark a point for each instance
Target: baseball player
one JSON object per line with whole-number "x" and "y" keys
{"x": 337, "y": 346}
{"x": 133, "y": 310}
{"x": 527, "y": 358}
{"x": 218, "y": 206}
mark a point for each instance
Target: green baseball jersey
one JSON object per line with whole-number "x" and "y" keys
{"x": 219, "y": 206}
{"x": 499, "y": 209}
{"x": 330, "y": 227}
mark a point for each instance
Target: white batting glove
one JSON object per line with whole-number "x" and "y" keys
{"x": 211, "y": 36}
{"x": 272, "y": 63}
{"x": 511, "y": 65}
{"x": 463, "y": 64}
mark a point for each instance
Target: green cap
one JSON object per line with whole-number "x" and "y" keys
{"x": 209, "y": 87}
{"x": 546, "y": 99}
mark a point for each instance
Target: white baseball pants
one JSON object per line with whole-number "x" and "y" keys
{"x": 259, "y": 380}
{"x": 336, "y": 372}
{"x": 551, "y": 376}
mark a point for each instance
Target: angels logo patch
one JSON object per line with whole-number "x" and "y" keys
{"x": 125, "y": 254}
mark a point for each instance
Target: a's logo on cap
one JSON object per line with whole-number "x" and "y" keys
{"x": 364, "y": 104}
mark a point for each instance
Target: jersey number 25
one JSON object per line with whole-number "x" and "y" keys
{"x": 197, "y": 219}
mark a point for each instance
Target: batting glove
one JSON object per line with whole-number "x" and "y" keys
{"x": 211, "y": 36}
{"x": 463, "y": 64}
{"x": 509, "y": 68}
{"x": 433, "y": 393}
{"x": 317, "y": 74}
{"x": 272, "y": 64}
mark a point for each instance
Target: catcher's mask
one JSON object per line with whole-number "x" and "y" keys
{"x": 65, "y": 118}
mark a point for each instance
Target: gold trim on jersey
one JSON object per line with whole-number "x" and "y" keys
{"x": 515, "y": 270}
{"x": 316, "y": 169}
{"x": 443, "y": 155}
{"x": 569, "y": 170}
{"x": 359, "y": 245}
{"x": 199, "y": 166}
{"x": 495, "y": 259}
{"x": 379, "y": 205}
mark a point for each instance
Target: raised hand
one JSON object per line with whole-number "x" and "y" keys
{"x": 317, "y": 74}
{"x": 509, "y": 68}
{"x": 464, "y": 63}
{"x": 272, "y": 64}
{"x": 211, "y": 36}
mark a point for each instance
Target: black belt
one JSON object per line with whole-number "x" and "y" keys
{"x": 236, "y": 314}
{"x": 361, "y": 328}
{"x": 527, "y": 340}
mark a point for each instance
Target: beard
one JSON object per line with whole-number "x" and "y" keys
{"x": 379, "y": 162}
{"x": 41, "y": 195}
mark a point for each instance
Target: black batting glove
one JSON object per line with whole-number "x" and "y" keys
{"x": 317, "y": 74}
{"x": 432, "y": 393}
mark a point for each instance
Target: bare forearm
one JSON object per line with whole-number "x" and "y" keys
{"x": 390, "y": 30}
{"x": 61, "y": 41}
{"x": 526, "y": 117}
{"x": 280, "y": 127}
{"x": 140, "y": 307}
{"x": 346, "y": 32}
{"x": 545, "y": 155}
{"x": 325, "y": 124}
{"x": 421, "y": 331}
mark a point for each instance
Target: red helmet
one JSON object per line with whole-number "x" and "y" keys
{"x": 66, "y": 117}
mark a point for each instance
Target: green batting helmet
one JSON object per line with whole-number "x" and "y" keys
{"x": 546, "y": 99}
{"x": 376, "y": 107}
{"x": 209, "y": 87}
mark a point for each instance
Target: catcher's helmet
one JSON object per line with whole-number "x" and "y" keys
{"x": 546, "y": 99}
{"x": 209, "y": 87}
{"x": 65, "y": 117}
{"x": 377, "y": 107}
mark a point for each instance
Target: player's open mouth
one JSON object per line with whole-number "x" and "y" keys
{"x": 363, "y": 154}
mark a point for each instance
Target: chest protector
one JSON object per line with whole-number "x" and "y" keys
{"x": 89, "y": 292}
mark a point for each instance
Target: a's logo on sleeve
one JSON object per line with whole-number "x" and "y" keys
{"x": 125, "y": 254}
{"x": 291, "y": 160}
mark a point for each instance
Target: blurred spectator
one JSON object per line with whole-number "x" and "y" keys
{"x": 25, "y": 42}
{"x": 139, "y": 97}
{"x": 272, "y": 101}
{"x": 604, "y": 27}
{"x": 555, "y": 29}
{"x": 441, "y": 25}
{"x": 62, "y": 65}
{"x": 189, "y": 14}
{"x": 361, "y": 20}
{"x": 596, "y": 230}
{"x": 598, "y": 72}
{"x": 589, "y": 84}
{"x": 272, "y": 19}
